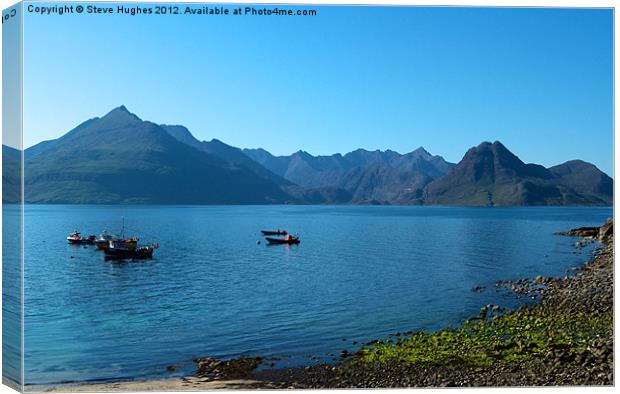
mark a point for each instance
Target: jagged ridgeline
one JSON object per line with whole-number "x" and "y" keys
{"x": 119, "y": 158}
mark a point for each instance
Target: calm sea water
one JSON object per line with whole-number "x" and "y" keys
{"x": 360, "y": 272}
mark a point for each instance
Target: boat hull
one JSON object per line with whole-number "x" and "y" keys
{"x": 281, "y": 241}
{"x": 125, "y": 254}
{"x": 265, "y": 232}
{"x": 81, "y": 241}
{"x": 102, "y": 244}
{"x": 105, "y": 244}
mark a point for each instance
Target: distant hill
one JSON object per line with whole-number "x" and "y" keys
{"x": 11, "y": 154}
{"x": 307, "y": 170}
{"x": 369, "y": 176}
{"x": 38, "y": 148}
{"x": 491, "y": 175}
{"x": 235, "y": 156}
{"x": 380, "y": 183}
{"x": 228, "y": 153}
{"x": 11, "y": 175}
{"x": 585, "y": 178}
{"x": 120, "y": 158}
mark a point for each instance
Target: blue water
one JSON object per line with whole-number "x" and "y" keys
{"x": 12, "y": 294}
{"x": 360, "y": 273}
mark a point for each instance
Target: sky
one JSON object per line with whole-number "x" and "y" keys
{"x": 11, "y": 87}
{"x": 538, "y": 80}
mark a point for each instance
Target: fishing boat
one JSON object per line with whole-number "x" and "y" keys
{"x": 119, "y": 251}
{"x": 276, "y": 232}
{"x": 103, "y": 242}
{"x": 289, "y": 239}
{"x": 76, "y": 238}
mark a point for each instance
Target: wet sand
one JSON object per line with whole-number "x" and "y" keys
{"x": 173, "y": 384}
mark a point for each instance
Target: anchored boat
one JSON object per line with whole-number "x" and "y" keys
{"x": 76, "y": 238}
{"x": 276, "y": 232}
{"x": 103, "y": 242}
{"x": 289, "y": 239}
{"x": 120, "y": 251}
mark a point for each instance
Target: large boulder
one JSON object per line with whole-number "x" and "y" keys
{"x": 581, "y": 232}
{"x": 606, "y": 231}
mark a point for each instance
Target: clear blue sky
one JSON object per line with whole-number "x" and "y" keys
{"x": 539, "y": 80}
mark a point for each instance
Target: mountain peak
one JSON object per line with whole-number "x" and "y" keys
{"x": 495, "y": 147}
{"x": 302, "y": 153}
{"x": 422, "y": 152}
{"x": 499, "y": 145}
{"x": 121, "y": 109}
{"x": 122, "y": 114}
{"x": 490, "y": 174}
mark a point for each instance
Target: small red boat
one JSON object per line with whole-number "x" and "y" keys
{"x": 289, "y": 239}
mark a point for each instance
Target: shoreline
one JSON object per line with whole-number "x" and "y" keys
{"x": 167, "y": 384}
{"x": 538, "y": 353}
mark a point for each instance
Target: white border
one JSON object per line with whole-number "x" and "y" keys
{"x": 481, "y": 3}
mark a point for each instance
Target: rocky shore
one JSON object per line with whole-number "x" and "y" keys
{"x": 565, "y": 338}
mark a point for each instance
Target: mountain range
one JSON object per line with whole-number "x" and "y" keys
{"x": 367, "y": 176}
{"x": 120, "y": 158}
